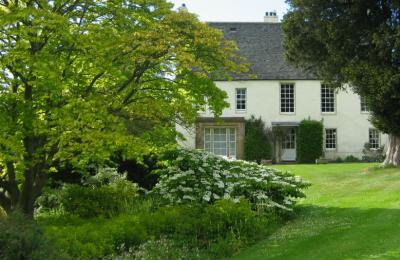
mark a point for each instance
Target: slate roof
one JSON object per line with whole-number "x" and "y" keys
{"x": 262, "y": 45}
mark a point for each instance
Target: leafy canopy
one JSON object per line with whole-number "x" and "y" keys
{"x": 351, "y": 41}
{"x": 73, "y": 72}
{"x": 81, "y": 79}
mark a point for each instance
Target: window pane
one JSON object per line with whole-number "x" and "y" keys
{"x": 327, "y": 99}
{"x": 220, "y": 141}
{"x": 330, "y": 138}
{"x": 374, "y": 141}
{"x": 241, "y": 98}
{"x": 364, "y": 105}
{"x": 287, "y": 98}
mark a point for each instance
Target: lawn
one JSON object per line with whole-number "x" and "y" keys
{"x": 352, "y": 211}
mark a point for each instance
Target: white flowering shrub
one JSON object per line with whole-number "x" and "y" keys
{"x": 194, "y": 176}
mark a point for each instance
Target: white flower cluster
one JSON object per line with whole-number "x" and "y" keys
{"x": 195, "y": 176}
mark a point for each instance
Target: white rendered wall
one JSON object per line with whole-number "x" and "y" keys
{"x": 263, "y": 99}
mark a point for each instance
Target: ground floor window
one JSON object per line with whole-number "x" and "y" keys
{"x": 374, "y": 138}
{"x": 330, "y": 138}
{"x": 220, "y": 141}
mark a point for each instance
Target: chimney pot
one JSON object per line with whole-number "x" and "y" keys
{"x": 271, "y": 17}
{"x": 183, "y": 8}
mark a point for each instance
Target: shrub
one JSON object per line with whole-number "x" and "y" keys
{"x": 106, "y": 200}
{"x": 96, "y": 237}
{"x": 309, "y": 141}
{"x": 351, "y": 158}
{"x": 21, "y": 238}
{"x": 205, "y": 226}
{"x": 198, "y": 177}
{"x": 257, "y": 140}
{"x": 339, "y": 160}
{"x": 373, "y": 155}
{"x": 49, "y": 200}
{"x": 107, "y": 193}
{"x": 179, "y": 229}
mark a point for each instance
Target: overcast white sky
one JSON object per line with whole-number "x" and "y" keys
{"x": 233, "y": 10}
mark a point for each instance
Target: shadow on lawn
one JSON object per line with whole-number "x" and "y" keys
{"x": 333, "y": 233}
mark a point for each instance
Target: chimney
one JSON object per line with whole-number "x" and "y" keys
{"x": 271, "y": 17}
{"x": 183, "y": 8}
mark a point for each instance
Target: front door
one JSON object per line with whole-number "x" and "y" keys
{"x": 289, "y": 146}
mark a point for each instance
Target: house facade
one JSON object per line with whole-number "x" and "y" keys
{"x": 282, "y": 96}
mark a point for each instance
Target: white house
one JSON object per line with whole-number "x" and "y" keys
{"x": 282, "y": 96}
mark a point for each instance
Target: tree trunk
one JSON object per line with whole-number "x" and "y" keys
{"x": 393, "y": 151}
{"x": 35, "y": 174}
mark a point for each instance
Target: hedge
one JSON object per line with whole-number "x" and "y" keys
{"x": 309, "y": 141}
{"x": 257, "y": 141}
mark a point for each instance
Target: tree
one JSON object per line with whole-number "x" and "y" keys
{"x": 257, "y": 140}
{"x": 354, "y": 42}
{"x": 75, "y": 74}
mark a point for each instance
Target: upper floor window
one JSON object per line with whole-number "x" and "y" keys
{"x": 241, "y": 98}
{"x": 364, "y": 105}
{"x": 374, "y": 141}
{"x": 327, "y": 99}
{"x": 330, "y": 138}
{"x": 287, "y": 98}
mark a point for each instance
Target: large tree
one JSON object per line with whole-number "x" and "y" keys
{"x": 352, "y": 42}
{"x": 75, "y": 74}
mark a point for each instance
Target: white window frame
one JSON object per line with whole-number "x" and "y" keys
{"x": 326, "y": 136}
{"x": 287, "y": 98}
{"x": 243, "y": 97}
{"x": 329, "y": 94}
{"x": 364, "y": 108}
{"x": 374, "y": 136}
{"x": 228, "y": 142}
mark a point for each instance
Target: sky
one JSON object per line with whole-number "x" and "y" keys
{"x": 233, "y": 10}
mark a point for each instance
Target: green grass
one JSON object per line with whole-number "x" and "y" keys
{"x": 352, "y": 211}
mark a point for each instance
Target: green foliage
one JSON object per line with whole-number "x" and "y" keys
{"x": 3, "y": 213}
{"x": 80, "y": 81}
{"x": 373, "y": 155}
{"x": 350, "y": 42}
{"x": 21, "y": 238}
{"x": 339, "y": 160}
{"x": 96, "y": 237}
{"x": 162, "y": 248}
{"x": 50, "y": 200}
{"x": 309, "y": 141}
{"x": 107, "y": 193}
{"x": 351, "y": 159}
{"x": 106, "y": 200}
{"x": 198, "y": 177}
{"x": 257, "y": 140}
{"x": 181, "y": 230}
